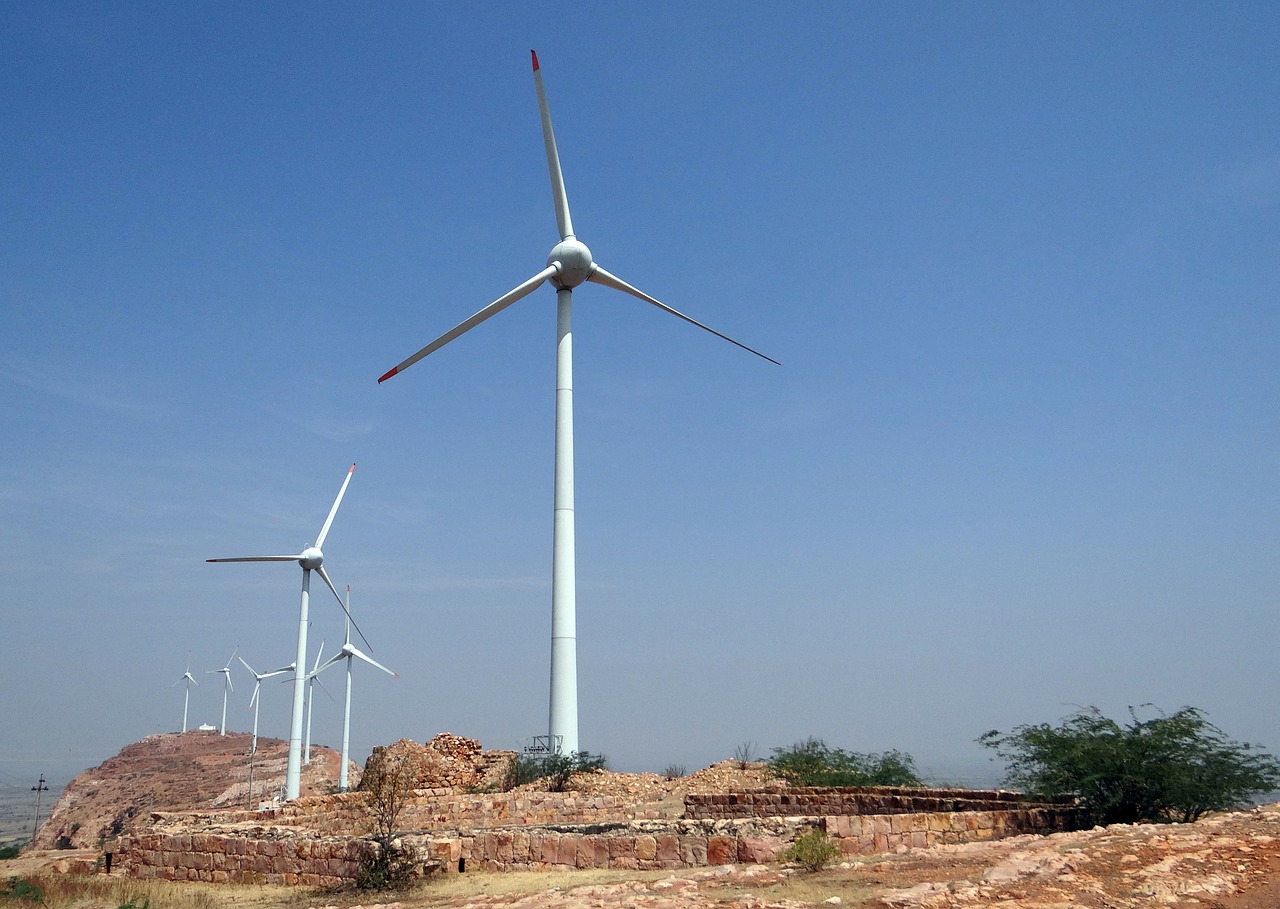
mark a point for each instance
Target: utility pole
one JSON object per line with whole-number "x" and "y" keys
{"x": 38, "y": 788}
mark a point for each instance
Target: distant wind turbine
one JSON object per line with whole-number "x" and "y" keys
{"x": 312, "y": 681}
{"x": 348, "y": 653}
{"x": 569, "y": 265}
{"x": 186, "y": 697}
{"x": 226, "y": 686}
{"x": 311, "y": 559}
{"x": 255, "y": 702}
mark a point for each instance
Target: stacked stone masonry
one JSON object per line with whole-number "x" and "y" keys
{"x": 231, "y": 858}
{"x": 284, "y": 855}
{"x": 812, "y": 801}
{"x": 435, "y": 809}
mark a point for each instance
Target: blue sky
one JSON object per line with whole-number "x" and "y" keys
{"x": 1020, "y": 262}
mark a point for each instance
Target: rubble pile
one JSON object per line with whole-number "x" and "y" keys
{"x": 447, "y": 762}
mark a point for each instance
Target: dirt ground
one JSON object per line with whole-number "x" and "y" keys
{"x": 1226, "y": 861}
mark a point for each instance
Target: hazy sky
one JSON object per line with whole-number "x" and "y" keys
{"x": 1021, "y": 262}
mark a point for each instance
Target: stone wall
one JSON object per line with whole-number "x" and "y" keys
{"x": 284, "y": 855}
{"x": 236, "y": 858}
{"x": 811, "y": 801}
{"x": 436, "y": 809}
{"x": 688, "y": 844}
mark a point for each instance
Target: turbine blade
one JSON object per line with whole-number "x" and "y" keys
{"x": 319, "y": 653}
{"x": 328, "y": 522}
{"x": 255, "y": 692}
{"x": 373, "y": 662}
{"x": 600, "y": 276}
{"x": 247, "y": 666}
{"x": 325, "y": 577}
{"x": 563, "y": 221}
{"x": 489, "y": 311}
{"x": 329, "y": 662}
{"x": 316, "y": 679}
{"x": 281, "y": 558}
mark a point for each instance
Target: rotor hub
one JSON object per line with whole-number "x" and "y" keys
{"x": 311, "y": 559}
{"x": 575, "y": 262}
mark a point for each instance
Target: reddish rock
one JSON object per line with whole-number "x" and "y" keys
{"x": 721, "y": 850}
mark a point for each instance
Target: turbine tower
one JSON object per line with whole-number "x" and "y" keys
{"x": 186, "y": 697}
{"x": 311, "y": 559}
{"x": 255, "y": 702}
{"x": 569, "y": 265}
{"x": 226, "y": 686}
{"x": 312, "y": 681}
{"x": 348, "y": 653}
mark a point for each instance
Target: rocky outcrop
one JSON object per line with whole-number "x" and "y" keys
{"x": 176, "y": 772}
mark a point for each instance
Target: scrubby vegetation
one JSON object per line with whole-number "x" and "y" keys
{"x": 1168, "y": 768}
{"x": 813, "y": 763}
{"x": 812, "y": 850}
{"x": 17, "y": 890}
{"x": 745, "y": 754}
{"x": 556, "y": 769}
{"x": 388, "y": 782}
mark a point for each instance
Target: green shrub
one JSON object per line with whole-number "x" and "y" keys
{"x": 673, "y": 771}
{"x": 11, "y": 850}
{"x": 813, "y": 763}
{"x": 556, "y": 769}
{"x": 1170, "y": 768}
{"x": 19, "y": 891}
{"x": 812, "y": 850}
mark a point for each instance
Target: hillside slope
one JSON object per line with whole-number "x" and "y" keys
{"x": 174, "y": 772}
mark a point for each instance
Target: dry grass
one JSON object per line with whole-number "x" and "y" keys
{"x": 86, "y": 891}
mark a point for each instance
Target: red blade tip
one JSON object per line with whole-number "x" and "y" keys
{"x": 388, "y": 375}
{"x": 535, "y": 60}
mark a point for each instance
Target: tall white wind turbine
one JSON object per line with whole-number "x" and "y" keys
{"x": 255, "y": 702}
{"x": 349, "y": 652}
{"x": 225, "y": 671}
{"x": 186, "y": 697}
{"x": 569, "y": 265}
{"x": 311, "y": 559}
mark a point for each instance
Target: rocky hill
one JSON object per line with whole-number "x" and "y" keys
{"x": 175, "y": 772}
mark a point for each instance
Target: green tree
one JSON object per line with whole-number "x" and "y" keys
{"x": 1168, "y": 768}
{"x": 813, "y": 763}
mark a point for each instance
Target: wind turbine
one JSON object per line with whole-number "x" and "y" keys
{"x": 226, "y": 686}
{"x": 569, "y": 265}
{"x": 311, "y": 559}
{"x": 312, "y": 681}
{"x": 255, "y": 702}
{"x": 348, "y": 653}
{"x": 186, "y": 697}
